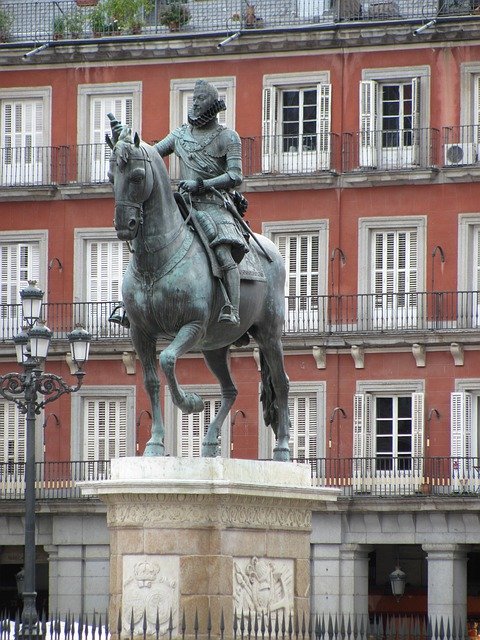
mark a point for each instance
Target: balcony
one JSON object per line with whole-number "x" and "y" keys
{"x": 390, "y": 150}
{"x": 35, "y": 20}
{"x": 374, "y": 477}
{"x": 445, "y": 312}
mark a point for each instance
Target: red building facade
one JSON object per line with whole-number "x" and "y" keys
{"x": 360, "y": 148}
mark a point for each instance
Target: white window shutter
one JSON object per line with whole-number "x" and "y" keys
{"x": 269, "y": 119}
{"x": 362, "y": 438}
{"x": 418, "y": 428}
{"x": 416, "y": 121}
{"x": 303, "y": 417}
{"x": 192, "y": 428}
{"x": 368, "y": 123}
{"x": 476, "y": 109}
{"x": 22, "y": 123}
{"x": 19, "y": 263}
{"x": 106, "y": 264}
{"x": 12, "y": 433}
{"x": 359, "y": 425}
{"x": 104, "y": 428}
{"x": 120, "y": 106}
{"x": 461, "y": 424}
{"x": 324, "y": 125}
{"x": 302, "y": 260}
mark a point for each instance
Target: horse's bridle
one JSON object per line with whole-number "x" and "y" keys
{"x": 138, "y": 206}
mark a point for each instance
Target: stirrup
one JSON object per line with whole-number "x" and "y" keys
{"x": 229, "y": 314}
{"x": 119, "y": 316}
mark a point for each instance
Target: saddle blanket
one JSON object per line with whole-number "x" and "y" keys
{"x": 250, "y": 268}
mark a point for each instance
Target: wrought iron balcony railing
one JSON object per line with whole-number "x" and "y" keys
{"x": 398, "y": 476}
{"x": 53, "y": 480}
{"x": 52, "y": 20}
{"x": 356, "y": 477}
{"x": 270, "y": 156}
{"x": 388, "y": 313}
{"x": 390, "y": 150}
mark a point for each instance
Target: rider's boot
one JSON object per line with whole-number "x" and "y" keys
{"x": 119, "y": 316}
{"x": 229, "y": 311}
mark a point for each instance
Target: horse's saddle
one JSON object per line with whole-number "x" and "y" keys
{"x": 250, "y": 268}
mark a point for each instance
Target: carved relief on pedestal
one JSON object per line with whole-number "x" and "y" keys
{"x": 264, "y": 586}
{"x": 150, "y": 586}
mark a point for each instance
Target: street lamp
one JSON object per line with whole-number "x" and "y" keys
{"x": 31, "y": 346}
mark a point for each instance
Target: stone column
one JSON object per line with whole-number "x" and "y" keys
{"x": 52, "y": 551}
{"x": 447, "y": 581}
{"x": 198, "y": 535}
{"x": 354, "y": 578}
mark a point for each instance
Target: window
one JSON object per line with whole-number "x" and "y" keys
{"x": 26, "y": 155}
{"x": 12, "y": 436}
{"x": 463, "y": 143}
{"x": 393, "y": 118}
{"x": 182, "y": 96}
{"x": 306, "y": 403}
{"x": 186, "y": 436}
{"x": 465, "y": 434}
{"x": 105, "y": 419}
{"x": 296, "y": 123}
{"x": 391, "y": 271}
{"x": 95, "y": 101}
{"x": 388, "y": 433}
{"x": 469, "y": 271}
{"x": 103, "y": 259}
{"x": 22, "y": 258}
{"x": 303, "y": 247}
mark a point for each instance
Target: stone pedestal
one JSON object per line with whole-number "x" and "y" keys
{"x": 191, "y": 535}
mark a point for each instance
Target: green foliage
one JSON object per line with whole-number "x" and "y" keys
{"x": 6, "y": 21}
{"x": 69, "y": 25}
{"x": 127, "y": 14}
{"x": 174, "y": 13}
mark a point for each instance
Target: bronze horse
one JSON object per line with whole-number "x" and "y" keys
{"x": 169, "y": 292}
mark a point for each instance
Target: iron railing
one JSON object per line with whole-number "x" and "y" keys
{"x": 369, "y": 313}
{"x": 384, "y": 476}
{"x": 53, "y": 480}
{"x": 38, "y": 21}
{"x": 397, "y": 476}
{"x": 248, "y": 625}
{"x": 390, "y": 150}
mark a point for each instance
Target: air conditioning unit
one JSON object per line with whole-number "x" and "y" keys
{"x": 460, "y": 153}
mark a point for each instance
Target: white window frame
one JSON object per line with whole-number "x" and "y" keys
{"x": 366, "y": 478}
{"x": 369, "y": 148}
{"x": 179, "y": 88}
{"x": 309, "y": 317}
{"x": 266, "y": 437}
{"x": 366, "y": 226}
{"x": 42, "y": 174}
{"x": 469, "y": 304}
{"x": 273, "y": 158}
{"x": 28, "y": 236}
{"x": 39, "y": 431}
{"x": 127, "y": 392}
{"x": 172, "y": 415}
{"x": 85, "y": 93}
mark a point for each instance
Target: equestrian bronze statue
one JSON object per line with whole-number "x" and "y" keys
{"x": 197, "y": 277}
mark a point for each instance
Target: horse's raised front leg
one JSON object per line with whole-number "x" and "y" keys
{"x": 218, "y": 364}
{"x": 146, "y": 351}
{"x": 186, "y": 338}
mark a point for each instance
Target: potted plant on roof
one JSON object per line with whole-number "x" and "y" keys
{"x": 86, "y": 3}
{"x": 127, "y": 14}
{"x": 174, "y": 15}
{"x": 75, "y": 22}
{"x": 59, "y": 27}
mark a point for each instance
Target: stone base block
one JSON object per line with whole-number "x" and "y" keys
{"x": 205, "y": 538}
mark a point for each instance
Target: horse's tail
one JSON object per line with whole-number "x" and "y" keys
{"x": 268, "y": 396}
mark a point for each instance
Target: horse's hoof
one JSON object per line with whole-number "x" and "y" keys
{"x": 154, "y": 449}
{"x": 281, "y": 454}
{"x": 192, "y": 403}
{"x": 210, "y": 450}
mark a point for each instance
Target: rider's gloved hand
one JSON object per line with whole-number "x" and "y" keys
{"x": 192, "y": 186}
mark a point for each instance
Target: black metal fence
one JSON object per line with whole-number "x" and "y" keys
{"x": 242, "y": 625}
{"x": 323, "y": 315}
{"x": 379, "y": 476}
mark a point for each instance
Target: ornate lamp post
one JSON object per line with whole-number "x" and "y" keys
{"x": 31, "y": 347}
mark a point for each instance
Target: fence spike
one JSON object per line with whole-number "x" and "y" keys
{"x": 144, "y": 623}
{"x": 222, "y": 624}
{"x": 235, "y": 623}
{"x": 195, "y": 624}
{"x": 119, "y": 624}
{"x": 184, "y": 624}
{"x": 209, "y": 623}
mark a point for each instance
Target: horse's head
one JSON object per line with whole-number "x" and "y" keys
{"x": 132, "y": 178}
